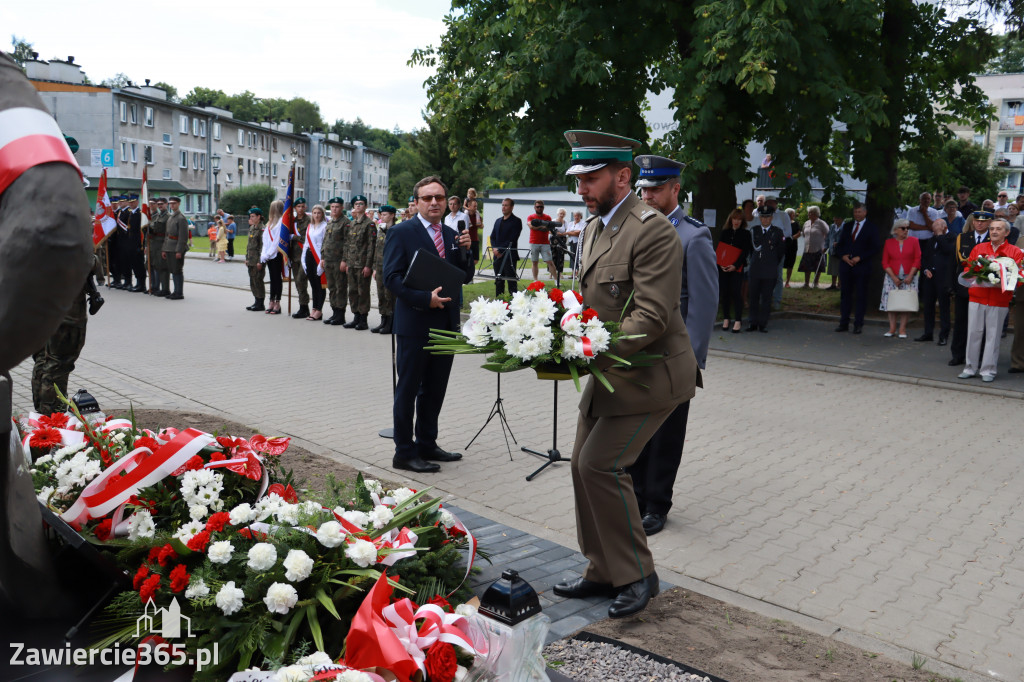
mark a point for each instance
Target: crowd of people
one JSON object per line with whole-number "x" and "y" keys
{"x": 921, "y": 266}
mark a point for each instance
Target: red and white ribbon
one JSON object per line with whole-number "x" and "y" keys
{"x": 403, "y": 539}
{"x": 437, "y": 626}
{"x": 30, "y": 137}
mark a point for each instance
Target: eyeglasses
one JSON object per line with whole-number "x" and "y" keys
{"x": 439, "y": 198}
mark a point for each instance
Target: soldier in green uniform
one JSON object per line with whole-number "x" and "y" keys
{"x": 360, "y": 243}
{"x": 252, "y": 259}
{"x": 157, "y": 266}
{"x": 175, "y": 246}
{"x": 385, "y": 299}
{"x": 295, "y": 259}
{"x": 333, "y": 254}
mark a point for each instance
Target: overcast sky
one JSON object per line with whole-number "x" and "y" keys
{"x": 350, "y": 57}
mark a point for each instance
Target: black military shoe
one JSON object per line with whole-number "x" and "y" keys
{"x": 581, "y": 588}
{"x": 857, "y": 329}
{"x": 376, "y": 330}
{"x": 439, "y": 455}
{"x": 338, "y": 318}
{"x": 417, "y": 464}
{"x": 751, "y": 327}
{"x": 301, "y": 313}
{"x": 842, "y": 328}
{"x": 956, "y": 361}
{"x": 654, "y": 523}
{"x": 943, "y": 339}
{"x": 95, "y": 303}
{"x": 330, "y": 320}
{"x": 634, "y": 597}
{"x": 361, "y": 324}
{"x": 257, "y": 305}
{"x": 924, "y": 337}
{"x": 354, "y": 322}
{"x": 386, "y": 326}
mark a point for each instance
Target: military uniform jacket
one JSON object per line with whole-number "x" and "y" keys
{"x": 360, "y": 243}
{"x": 378, "y": 254}
{"x": 334, "y": 240}
{"x": 125, "y": 217}
{"x": 637, "y": 258}
{"x": 157, "y": 227}
{"x": 766, "y": 252}
{"x": 177, "y": 233}
{"x": 301, "y": 225}
{"x": 255, "y": 245}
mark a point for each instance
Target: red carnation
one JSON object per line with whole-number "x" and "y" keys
{"x": 250, "y": 535}
{"x": 44, "y": 439}
{"x": 57, "y": 420}
{"x": 140, "y": 575}
{"x": 179, "y": 578}
{"x": 589, "y": 314}
{"x": 556, "y": 295}
{"x": 198, "y": 542}
{"x": 218, "y": 457}
{"x": 217, "y": 521}
{"x": 536, "y": 286}
{"x": 441, "y": 602}
{"x": 441, "y": 662}
{"x": 166, "y": 554}
{"x": 194, "y": 463}
{"x": 102, "y": 530}
{"x": 148, "y": 590}
{"x": 147, "y": 442}
{"x": 154, "y": 554}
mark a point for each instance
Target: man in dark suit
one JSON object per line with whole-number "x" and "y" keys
{"x": 768, "y": 252}
{"x": 422, "y": 376}
{"x": 936, "y": 279}
{"x": 858, "y": 242}
{"x": 965, "y": 243}
{"x": 504, "y": 242}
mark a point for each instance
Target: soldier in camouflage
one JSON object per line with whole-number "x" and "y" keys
{"x": 385, "y": 298}
{"x": 175, "y": 246}
{"x": 295, "y": 258}
{"x": 360, "y": 243}
{"x": 252, "y": 259}
{"x": 333, "y": 254}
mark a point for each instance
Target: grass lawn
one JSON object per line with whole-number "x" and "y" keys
{"x": 202, "y": 245}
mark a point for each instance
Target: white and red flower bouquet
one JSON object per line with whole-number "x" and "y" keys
{"x": 546, "y": 329}
{"x": 210, "y": 522}
{"x": 999, "y": 272}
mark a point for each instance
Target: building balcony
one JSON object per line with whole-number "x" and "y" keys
{"x": 1011, "y": 123}
{"x": 1009, "y": 159}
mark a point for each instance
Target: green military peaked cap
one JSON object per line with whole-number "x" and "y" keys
{"x": 592, "y": 150}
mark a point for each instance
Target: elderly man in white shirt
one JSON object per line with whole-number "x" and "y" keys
{"x": 921, "y": 218}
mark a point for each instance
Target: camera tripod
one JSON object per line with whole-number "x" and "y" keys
{"x": 553, "y": 455}
{"x": 498, "y": 410}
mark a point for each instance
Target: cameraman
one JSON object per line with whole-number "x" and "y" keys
{"x": 540, "y": 245}
{"x": 504, "y": 242}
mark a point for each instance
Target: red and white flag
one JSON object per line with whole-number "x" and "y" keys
{"x": 103, "y": 222}
{"x": 144, "y": 210}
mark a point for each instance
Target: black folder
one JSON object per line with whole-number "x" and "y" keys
{"x": 428, "y": 271}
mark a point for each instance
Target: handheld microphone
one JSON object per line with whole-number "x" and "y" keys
{"x": 462, "y": 228}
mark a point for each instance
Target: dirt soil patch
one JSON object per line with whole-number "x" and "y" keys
{"x": 707, "y": 634}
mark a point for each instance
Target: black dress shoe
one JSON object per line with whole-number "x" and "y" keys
{"x": 339, "y": 320}
{"x": 857, "y": 329}
{"x": 956, "y": 361}
{"x": 751, "y": 327}
{"x": 1016, "y": 370}
{"x": 439, "y": 455}
{"x": 763, "y": 329}
{"x": 634, "y": 597}
{"x": 580, "y": 588}
{"x": 420, "y": 466}
{"x": 924, "y": 337}
{"x": 301, "y": 313}
{"x": 654, "y": 523}
{"x": 942, "y": 340}
{"x": 258, "y": 305}
{"x": 843, "y": 328}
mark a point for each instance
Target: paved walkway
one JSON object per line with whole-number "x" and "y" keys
{"x": 886, "y": 513}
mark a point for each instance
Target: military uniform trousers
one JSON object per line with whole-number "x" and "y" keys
{"x": 337, "y": 285}
{"x": 385, "y": 299}
{"x": 256, "y": 283}
{"x": 299, "y": 279}
{"x": 174, "y": 265}
{"x": 53, "y": 365}
{"x": 358, "y": 291}
{"x": 156, "y": 263}
{"x": 608, "y": 521}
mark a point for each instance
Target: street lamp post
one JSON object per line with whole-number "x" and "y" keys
{"x": 241, "y": 169}
{"x": 215, "y": 167}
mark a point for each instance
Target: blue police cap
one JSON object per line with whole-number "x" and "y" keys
{"x": 657, "y": 170}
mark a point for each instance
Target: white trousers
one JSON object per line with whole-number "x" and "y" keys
{"x": 987, "y": 321}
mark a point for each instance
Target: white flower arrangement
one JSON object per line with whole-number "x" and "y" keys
{"x": 297, "y": 565}
{"x": 229, "y": 598}
{"x": 330, "y": 534}
{"x": 140, "y": 525}
{"x": 262, "y": 557}
{"x": 362, "y": 553}
{"x": 381, "y": 516}
{"x": 281, "y": 597}
{"x": 196, "y": 588}
{"x": 220, "y": 552}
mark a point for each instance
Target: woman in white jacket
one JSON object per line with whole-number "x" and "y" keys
{"x": 312, "y": 259}
{"x": 272, "y": 256}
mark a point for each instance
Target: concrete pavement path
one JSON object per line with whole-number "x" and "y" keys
{"x": 885, "y": 512}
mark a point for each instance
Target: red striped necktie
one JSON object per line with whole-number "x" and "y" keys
{"x": 438, "y": 240}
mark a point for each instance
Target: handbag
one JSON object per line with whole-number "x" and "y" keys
{"x": 901, "y": 301}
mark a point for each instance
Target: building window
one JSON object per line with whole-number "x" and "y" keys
{"x": 199, "y": 203}
{"x": 135, "y": 158}
{"x": 275, "y": 144}
{"x": 147, "y": 154}
{"x": 167, "y": 138}
{"x": 202, "y": 162}
{"x": 275, "y": 170}
{"x": 241, "y": 137}
{"x": 183, "y": 159}
{"x": 202, "y": 129}
{"x": 167, "y": 173}
{"x": 195, "y": 160}
{"x": 183, "y": 124}
{"x": 188, "y": 203}
{"x": 227, "y": 177}
{"x": 250, "y": 140}
{"x": 134, "y": 111}
{"x": 195, "y": 127}
{"x": 147, "y": 116}
{"x": 979, "y": 139}
{"x": 124, "y": 152}
{"x": 227, "y": 149}
{"x": 216, "y": 131}
{"x": 124, "y": 112}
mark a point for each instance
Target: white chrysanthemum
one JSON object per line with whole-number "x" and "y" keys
{"x": 308, "y": 507}
{"x": 330, "y": 534}
{"x": 572, "y": 348}
{"x": 373, "y": 485}
{"x": 187, "y": 530}
{"x": 362, "y": 553}
{"x": 119, "y": 437}
{"x": 599, "y": 338}
{"x": 495, "y": 313}
{"x": 573, "y": 326}
{"x": 476, "y": 333}
{"x": 447, "y": 518}
{"x": 198, "y": 512}
{"x": 140, "y": 525}
{"x": 262, "y": 556}
{"x": 229, "y": 598}
{"x": 317, "y": 658}
{"x": 45, "y": 459}
{"x": 44, "y": 494}
{"x": 297, "y": 565}
{"x": 993, "y": 278}
{"x": 288, "y": 514}
{"x": 529, "y": 349}
{"x": 76, "y": 471}
{"x": 220, "y": 552}
{"x": 477, "y": 308}
{"x": 281, "y": 597}
{"x": 267, "y": 506}
{"x": 241, "y": 514}
{"x": 196, "y": 588}
{"x": 513, "y": 347}
{"x": 543, "y": 307}
{"x": 520, "y": 304}
{"x": 69, "y": 450}
{"x": 356, "y": 517}
{"x": 381, "y": 516}
{"x": 402, "y": 494}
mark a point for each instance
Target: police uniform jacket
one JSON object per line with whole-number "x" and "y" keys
{"x": 360, "y": 243}
{"x": 767, "y": 250}
{"x": 334, "y": 240}
{"x": 965, "y": 243}
{"x": 632, "y": 270}
{"x": 698, "y": 298}
{"x": 177, "y": 233}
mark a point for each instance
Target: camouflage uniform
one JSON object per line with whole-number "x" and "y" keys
{"x": 55, "y": 361}
{"x": 333, "y": 253}
{"x": 295, "y": 261}
{"x": 252, "y": 261}
{"x": 360, "y": 244}
{"x": 157, "y": 231}
{"x": 385, "y": 299}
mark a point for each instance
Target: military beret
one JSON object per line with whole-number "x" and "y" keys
{"x": 359, "y": 197}
{"x": 766, "y": 210}
{"x": 336, "y": 200}
{"x": 412, "y": 199}
{"x": 255, "y": 211}
{"x": 388, "y": 208}
{"x": 657, "y": 170}
{"x": 133, "y": 197}
{"x": 178, "y": 199}
{"x": 592, "y": 150}
{"x": 300, "y": 200}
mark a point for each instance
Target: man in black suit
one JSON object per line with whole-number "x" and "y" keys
{"x": 965, "y": 243}
{"x": 422, "y": 376}
{"x": 936, "y": 279}
{"x": 858, "y": 242}
{"x": 504, "y": 242}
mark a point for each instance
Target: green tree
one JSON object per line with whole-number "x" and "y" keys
{"x": 245, "y": 106}
{"x": 203, "y": 97}
{"x": 172, "y": 92}
{"x": 119, "y": 80}
{"x": 957, "y": 162}
{"x": 1010, "y": 58}
{"x": 304, "y": 115}
{"x": 275, "y": 108}
{"x": 238, "y": 201}
{"x": 22, "y": 51}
